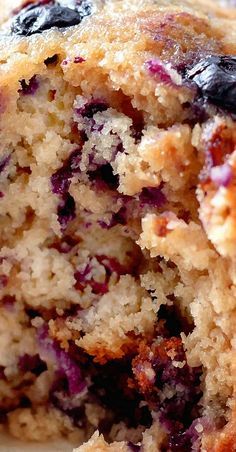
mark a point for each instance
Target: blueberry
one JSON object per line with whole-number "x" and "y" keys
{"x": 66, "y": 211}
{"x": 29, "y": 88}
{"x": 155, "y": 370}
{"x": 38, "y": 17}
{"x": 4, "y": 161}
{"x": 91, "y": 108}
{"x": 215, "y": 77}
{"x": 152, "y": 196}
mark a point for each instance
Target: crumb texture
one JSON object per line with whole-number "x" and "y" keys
{"x": 118, "y": 224}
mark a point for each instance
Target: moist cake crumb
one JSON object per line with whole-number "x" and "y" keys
{"x": 117, "y": 224}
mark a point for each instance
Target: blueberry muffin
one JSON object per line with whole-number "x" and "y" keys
{"x": 118, "y": 224}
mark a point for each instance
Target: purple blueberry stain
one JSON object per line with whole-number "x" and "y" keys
{"x": 152, "y": 196}
{"x": 156, "y": 67}
{"x": 110, "y": 385}
{"x": 84, "y": 277}
{"x": 70, "y": 399}
{"x": 29, "y": 88}
{"x": 137, "y": 130}
{"x": 65, "y": 62}
{"x": 160, "y": 71}
{"x": 61, "y": 179}
{"x": 66, "y": 211}
{"x": 66, "y": 245}
{"x": 79, "y": 59}
{"x": 99, "y": 169}
{"x": 99, "y": 172}
{"x": 71, "y": 405}
{"x": 60, "y": 182}
{"x": 118, "y": 218}
{"x": 9, "y": 302}
{"x": 50, "y": 350}
{"x": 92, "y": 107}
{"x": 88, "y": 225}
{"x": 104, "y": 177}
{"x": 4, "y": 161}
{"x": 178, "y": 409}
{"x": 119, "y": 149}
{"x": 188, "y": 440}
{"x": 3, "y": 281}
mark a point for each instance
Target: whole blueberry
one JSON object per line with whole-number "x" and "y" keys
{"x": 215, "y": 77}
{"x": 41, "y": 16}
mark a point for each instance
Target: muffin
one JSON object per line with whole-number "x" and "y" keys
{"x": 118, "y": 224}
